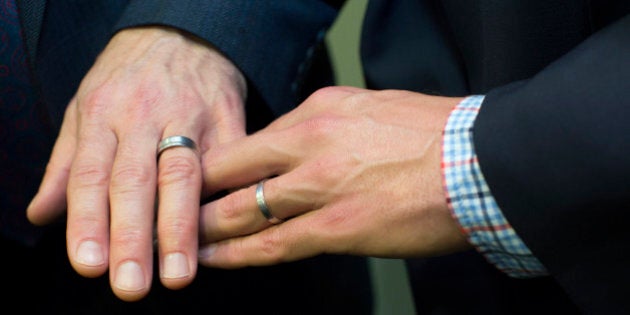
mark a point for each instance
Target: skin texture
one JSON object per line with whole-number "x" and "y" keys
{"x": 148, "y": 83}
{"x": 352, "y": 171}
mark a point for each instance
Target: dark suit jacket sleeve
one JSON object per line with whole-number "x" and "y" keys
{"x": 270, "y": 41}
{"x": 555, "y": 150}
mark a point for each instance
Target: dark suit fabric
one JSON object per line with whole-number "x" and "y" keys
{"x": 552, "y": 140}
{"x": 562, "y": 173}
{"x": 72, "y": 34}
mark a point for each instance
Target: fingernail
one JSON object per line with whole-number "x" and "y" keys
{"x": 129, "y": 277}
{"x": 175, "y": 266}
{"x": 90, "y": 253}
{"x": 207, "y": 251}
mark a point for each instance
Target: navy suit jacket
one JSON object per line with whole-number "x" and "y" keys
{"x": 552, "y": 136}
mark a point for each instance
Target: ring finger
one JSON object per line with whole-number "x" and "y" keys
{"x": 242, "y": 212}
{"x": 179, "y": 189}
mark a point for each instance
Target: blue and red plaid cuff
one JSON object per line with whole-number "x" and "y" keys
{"x": 472, "y": 203}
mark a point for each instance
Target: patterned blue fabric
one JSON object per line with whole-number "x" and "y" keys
{"x": 472, "y": 203}
{"x": 25, "y": 134}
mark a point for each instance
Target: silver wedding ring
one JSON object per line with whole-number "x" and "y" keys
{"x": 176, "y": 141}
{"x": 262, "y": 204}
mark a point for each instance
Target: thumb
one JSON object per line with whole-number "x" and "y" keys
{"x": 50, "y": 201}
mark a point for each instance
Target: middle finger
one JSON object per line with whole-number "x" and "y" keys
{"x": 132, "y": 198}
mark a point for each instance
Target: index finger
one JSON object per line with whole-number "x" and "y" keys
{"x": 247, "y": 160}
{"x": 50, "y": 201}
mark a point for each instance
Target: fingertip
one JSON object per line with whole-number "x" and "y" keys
{"x": 33, "y": 214}
{"x": 206, "y": 252}
{"x": 216, "y": 255}
{"x": 44, "y": 210}
{"x": 129, "y": 281}
{"x": 128, "y": 296}
{"x": 49, "y": 203}
{"x": 38, "y": 216}
{"x": 177, "y": 271}
{"x": 89, "y": 259}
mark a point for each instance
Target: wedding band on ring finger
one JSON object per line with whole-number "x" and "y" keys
{"x": 262, "y": 204}
{"x": 176, "y": 141}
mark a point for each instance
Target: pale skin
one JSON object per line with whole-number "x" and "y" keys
{"x": 353, "y": 171}
{"x": 357, "y": 171}
{"x": 148, "y": 83}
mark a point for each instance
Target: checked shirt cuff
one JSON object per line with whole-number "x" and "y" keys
{"x": 471, "y": 202}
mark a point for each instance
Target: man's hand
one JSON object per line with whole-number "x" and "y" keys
{"x": 352, "y": 171}
{"x": 148, "y": 84}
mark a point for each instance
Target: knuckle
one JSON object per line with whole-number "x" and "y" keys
{"x": 272, "y": 247}
{"x": 327, "y": 92}
{"x": 138, "y": 100}
{"x": 143, "y": 99}
{"x": 322, "y": 126}
{"x": 359, "y": 99}
{"x": 95, "y": 101}
{"x": 176, "y": 170}
{"x": 228, "y": 210}
{"x": 89, "y": 175}
{"x": 130, "y": 177}
{"x": 336, "y": 218}
{"x": 322, "y": 96}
